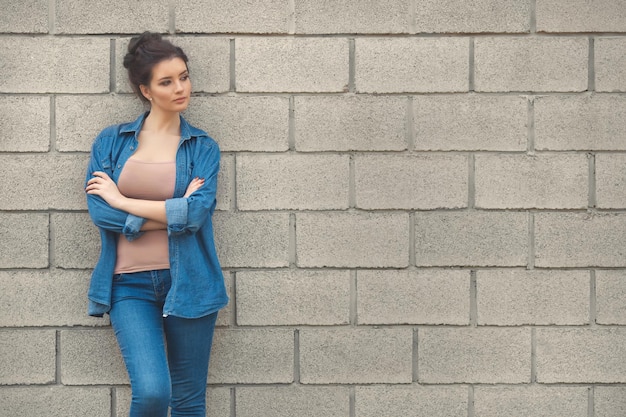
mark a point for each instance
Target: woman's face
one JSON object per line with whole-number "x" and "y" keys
{"x": 170, "y": 87}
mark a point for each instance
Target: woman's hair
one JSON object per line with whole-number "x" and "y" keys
{"x": 144, "y": 52}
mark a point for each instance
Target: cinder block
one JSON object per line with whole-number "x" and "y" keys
{"x": 531, "y": 64}
{"x": 293, "y": 181}
{"x": 91, "y": 357}
{"x": 413, "y": 400}
{"x": 610, "y": 293}
{"x": 252, "y": 239}
{"x": 458, "y": 16}
{"x": 243, "y": 123}
{"x": 52, "y": 181}
{"x": 53, "y": 65}
{"x": 346, "y": 123}
{"x": 580, "y": 122}
{"x": 552, "y": 181}
{"x": 20, "y": 114}
{"x": 29, "y": 16}
{"x": 56, "y": 401}
{"x": 224, "y": 180}
{"x": 27, "y": 357}
{"x": 291, "y": 297}
{"x": 116, "y": 16}
{"x": 397, "y": 65}
{"x": 474, "y": 355}
{"x": 516, "y": 297}
{"x": 217, "y": 401}
{"x": 470, "y": 122}
{"x": 356, "y": 355}
{"x": 23, "y": 250}
{"x": 79, "y": 119}
{"x": 368, "y": 240}
{"x": 45, "y": 298}
{"x": 76, "y": 241}
{"x": 422, "y": 182}
{"x": 581, "y": 355}
{"x": 252, "y": 356}
{"x": 610, "y": 65}
{"x": 580, "y": 239}
{"x": 238, "y": 16}
{"x": 209, "y": 63}
{"x": 327, "y": 16}
{"x": 609, "y": 401}
{"x": 291, "y": 64}
{"x": 475, "y": 238}
{"x": 291, "y": 401}
{"x": 580, "y": 16}
{"x": 610, "y": 180}
{"x": 530, "y": 401}
{"x": 413, "y": 297}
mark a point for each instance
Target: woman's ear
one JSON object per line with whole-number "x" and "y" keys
{"x": 145, "y": 91}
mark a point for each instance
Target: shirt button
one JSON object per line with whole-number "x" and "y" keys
{"x": 132, "y": 147}
{"x": 119, "y": 166}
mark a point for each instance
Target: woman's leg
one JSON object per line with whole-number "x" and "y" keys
{"x": 136, "y": 317}
{"x": 188, "y": 350}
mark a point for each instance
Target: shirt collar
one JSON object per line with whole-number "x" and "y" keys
{"x": 135, "y": 127}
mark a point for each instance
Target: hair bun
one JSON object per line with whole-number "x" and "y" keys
{"x": 138, "y": 44}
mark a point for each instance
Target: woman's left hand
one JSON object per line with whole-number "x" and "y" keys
{"x": 101, "y": 184}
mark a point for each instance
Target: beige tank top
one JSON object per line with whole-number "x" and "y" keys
{"x": 145, "y": 181}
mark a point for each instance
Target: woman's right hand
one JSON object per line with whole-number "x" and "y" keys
{"x": 193, "y": 186}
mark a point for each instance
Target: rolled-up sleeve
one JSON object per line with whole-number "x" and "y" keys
{"x": 187, "y": 215}
{"x": 101, "y": 213}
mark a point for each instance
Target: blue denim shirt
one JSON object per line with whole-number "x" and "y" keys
{"x": 197, "y": 282}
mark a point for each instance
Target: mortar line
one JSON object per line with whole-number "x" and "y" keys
{"x": 57, "y": 348}
{"x": 52, "y": 17}
{"x": 353, "y": 318}
{"x": 531, "y": 241}
{"x": 471, "y": 75}
{"x": 533, "y": 355}
{"x": 412, "y": 243}
{"x": 351, "y": 65}
{"x": 53, "y": 123}
{"x": 533, "y": 17}
{"x": 172, "y": 17}
{"x": 471, "y": 181}
{"x": 591, "y": 405}
{"x": 473, "y": 313}
{"x": 593, "y": 305}
{"x": 352, "y": 182}
{"x": 470, "y": 401}
{"x": 233, "y": 84}
{"x": 51, "y": 240}
{"x": 291, "y": 24}
{"x": 591, "y": 83}
{"x": 415, "y": 356}
{"x": 291, "y": 124}
{"x": 410, "y": 133}
{"x": 293, "y": 251}
{"x": 112, "y": 71}
{"x": 113, "y": 394}
{"x": 233, "y": 407}
{"x": 530, "y": 134}
{"x": 352, "y": 401}
{"x": 592, "y": 197}
{"x": 296, "y": 355}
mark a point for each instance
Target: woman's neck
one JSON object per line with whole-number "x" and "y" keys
{"x": 162, "y": 122}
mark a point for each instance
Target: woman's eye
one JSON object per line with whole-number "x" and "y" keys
{"x": 165, "y": 83}
{"x": 184, "y": 78}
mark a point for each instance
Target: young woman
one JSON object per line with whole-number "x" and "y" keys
{"x": 151, "y": 190}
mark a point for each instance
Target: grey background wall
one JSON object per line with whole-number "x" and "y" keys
{"x": 421, "y": 205}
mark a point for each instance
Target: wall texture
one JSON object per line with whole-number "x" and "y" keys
{"x": 422, "y": 206}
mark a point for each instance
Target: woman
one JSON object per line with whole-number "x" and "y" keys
{"x": 151, "y": 191}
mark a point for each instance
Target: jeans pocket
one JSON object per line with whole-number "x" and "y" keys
{"x": 117, "y": 277}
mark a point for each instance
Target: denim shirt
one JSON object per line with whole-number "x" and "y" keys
{"x": 197, "y": 282}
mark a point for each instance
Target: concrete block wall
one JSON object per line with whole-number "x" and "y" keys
{"x": 422, "y": 205}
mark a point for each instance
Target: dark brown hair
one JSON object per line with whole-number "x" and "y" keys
{"x": 144, "y": 52}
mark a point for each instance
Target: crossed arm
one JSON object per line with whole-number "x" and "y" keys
{"x": 153, "y": 211}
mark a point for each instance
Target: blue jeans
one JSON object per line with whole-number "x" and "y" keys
{"x": 167, "y": 358}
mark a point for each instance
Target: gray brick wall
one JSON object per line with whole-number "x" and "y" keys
{"x": 421, "y": 211}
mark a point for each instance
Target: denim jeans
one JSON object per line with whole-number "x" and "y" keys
{"x": 167, "y": 358}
